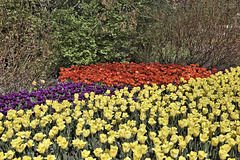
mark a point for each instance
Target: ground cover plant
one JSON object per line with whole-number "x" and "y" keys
{"x": 199, "y": 118}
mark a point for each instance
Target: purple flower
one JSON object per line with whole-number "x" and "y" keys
{"x": 62, "y": 91}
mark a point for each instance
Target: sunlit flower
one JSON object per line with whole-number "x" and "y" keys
{"x": 50, "y": 157}
{"x": 39, "y": 136}
{"x": 9, "y": 154}
{"x": 27, "y": 158}
{"x": 85, "y": 132}
{"x": 201, "y": 155}
{"x": 204, "y": 138}
{"x": 151, "y": 121}
{"x": 79, "y": 143}
{"x": 34, "y": 83}
{"x": 182, "y": 145}
{"x": 174, "y": 153}
{"x": 113, "y": 151}
{"x": 85, "y": 153}
{"x": 152, "y": 135}
{"x": 192, "y": 155}
{"x": 111, "y": 139}
{"x": 126, "y": 147}
{"x": 97, "y": 152}
{"x": 182, "y": 158}
{"x": 214, "y": 141}
{"x": 103, "y": 138}
{"x": 223, "y": 154}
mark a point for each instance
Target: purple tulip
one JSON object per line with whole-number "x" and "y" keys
{"x": 61, "y": 91}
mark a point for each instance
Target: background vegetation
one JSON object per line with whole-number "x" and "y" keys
{"x": 40, "y": 36}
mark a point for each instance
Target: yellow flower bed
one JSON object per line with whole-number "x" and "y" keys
{"x": 198, "y": 120}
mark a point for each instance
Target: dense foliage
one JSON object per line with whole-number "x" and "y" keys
{"x": 88, "y": 36}
{"x": 25, "y": 44}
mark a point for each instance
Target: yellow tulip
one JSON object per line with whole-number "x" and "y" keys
{"x": 126, "y": 147}
{"x": 188, "y": 138}
{"x": 174, "y": 138}
{"x": 38, "y": 158}
{"x": 231, "y": 142}
{"x": 237, "y": 139}
{"x": 103, "y": 138}
{"x": 123, "y": 108}
{"x": 16, "y": 142}
{"x": 152, "y": 135}
{"x": 160, "y": 156}
{"x": 2, "y": 129}
{"x": 221, "y": 138}
{"x": 108, "y": 127}
{"x": 201, "y": 155}
{"x": 132, "y": 108}
{"x": 151, "y": 121}
{"x": 97, "y": 152}
{"x": 174, "y": 153}
{"x": 192, "y": 155}
{"x": 168, "y": 158}
{"x": 85, "y": 153}
{"x": 137, "y": 156}
{"x": 204, "y": 137}
{"x": 41, "y": 148}
{"x": 141, "y": 138}
{"x": 20, "y": 112}
{"x": 34, "y": 123}
{"x": 127, "y": 134}
{"x": 9, "y": 133}
{"x": 105, "y": 156}
{"x": 30, "y": 143}
{"x": 85, "y": 132}
{"x": 1, "y": 116}
{"x": 79, "y": 143}
{"x": 50, "y": 157}
{"x": 195, "y": 131}
{"x": 165, "y": 148}
{"x": 223, "y": 154}
{"x": 11, "y": 114}
{"x": 214, "y": 141}
{"x": 173, "y": 131}
{"x": 182, "y": 145}
{"x": 226, "y": 147}
{"x": 113, "y": 151}
{"x": 125, "y": 115}
{"x": 21, "y": 148}
{"x": 27, "y": 158}
{"x": 62, "y": 142}
{"x": 134, "y": 130}
{"x": 182, "y": 123}
{"x": 182, "y": 158}
{"x": 204, "y": 110}
{"x": 111, "y": 139}
{"x": 39, "y": 136}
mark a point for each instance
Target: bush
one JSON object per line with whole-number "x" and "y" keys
{"x": 194, "y": 32}
{"x": 90, "y": 33}
{"x": 25, "y": 46}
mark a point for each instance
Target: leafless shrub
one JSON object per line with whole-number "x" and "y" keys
{"x": 25, "y": 48}
{"x": 203, "y": 32}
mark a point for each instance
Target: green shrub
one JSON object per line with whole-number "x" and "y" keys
{"x": 90, "y": 33}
